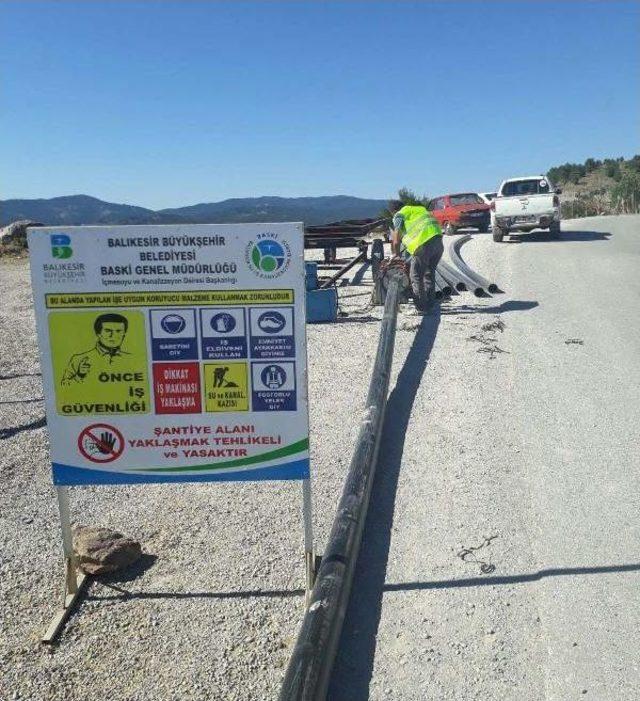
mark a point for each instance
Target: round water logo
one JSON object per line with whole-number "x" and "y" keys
{"x": 268, "y": 257}
{"x": 173, "y": 323}
{"x": 223, "y": 322}
{"x": 271, "y": 322}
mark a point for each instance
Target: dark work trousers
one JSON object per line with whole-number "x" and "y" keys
{"x": 424, "y": 262}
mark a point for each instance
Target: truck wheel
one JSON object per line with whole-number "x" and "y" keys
{"x": 498, "y": 233}
{"x": 483, "y": 229}
{"x": 554, "y": 230}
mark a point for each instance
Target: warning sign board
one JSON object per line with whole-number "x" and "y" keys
{"x": 172, "y": 353}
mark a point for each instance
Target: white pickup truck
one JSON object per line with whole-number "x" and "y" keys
{"x": 524, "y": 204}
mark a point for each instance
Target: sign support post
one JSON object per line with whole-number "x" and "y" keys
{"x": 73, "y": 584}
{"x": 309, "y": 555}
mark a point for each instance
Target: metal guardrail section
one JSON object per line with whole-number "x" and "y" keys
{"x": 309, "y": 670}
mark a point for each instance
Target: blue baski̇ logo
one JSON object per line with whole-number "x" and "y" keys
{"x": 60, "y": 246}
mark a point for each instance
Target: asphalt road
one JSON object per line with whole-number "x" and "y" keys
{"x": 501, "y": 556}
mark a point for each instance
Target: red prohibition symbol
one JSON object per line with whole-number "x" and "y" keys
{"x": 101, "y": 443}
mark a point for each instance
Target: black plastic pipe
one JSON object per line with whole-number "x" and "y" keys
{"x": 444, "y": 286}
{"x": 460, "y": 280}
{"x": 449, "y": 274}
{"x": 454, "y": 254}
{"x": 309, "y": 669}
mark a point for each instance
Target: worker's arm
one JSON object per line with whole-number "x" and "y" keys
{"x": 396, "y": 234}
{"x": 396, "y": 238}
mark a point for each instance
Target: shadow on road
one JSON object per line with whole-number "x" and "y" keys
{"x": 14, "y": 430}
{"x": 122, "y": 594}
{"x": 22, "y": 374}
{"x": 145, "y": 562}
{"x": 543, "y": 236}
{"x": 511, "y": 578}
{"x": 356, "y": 294}
{"x": 357, "y": 278}
{"x": 355, "y": 320}
{"x": 112, "y": 581}
{"x": 513, "y": 305}
{"x": 354, "y": 662}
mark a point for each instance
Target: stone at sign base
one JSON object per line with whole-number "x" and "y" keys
{"x": 101, "y": 550}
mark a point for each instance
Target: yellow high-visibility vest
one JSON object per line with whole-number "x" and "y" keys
{"x": 419, "y": 226}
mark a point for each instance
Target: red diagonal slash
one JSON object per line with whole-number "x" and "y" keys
{"x": 101, "y": 445}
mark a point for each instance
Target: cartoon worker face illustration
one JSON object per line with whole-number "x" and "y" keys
{"x": 111, "y": 330}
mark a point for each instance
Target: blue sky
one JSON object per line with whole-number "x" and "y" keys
{"x": 164, "y": 104}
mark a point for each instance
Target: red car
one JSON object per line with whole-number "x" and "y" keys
{"x": 458, "y": 211}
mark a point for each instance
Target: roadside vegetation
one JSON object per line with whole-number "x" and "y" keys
{"x": 596, "y": 187}
{"x": 406, "y": 196}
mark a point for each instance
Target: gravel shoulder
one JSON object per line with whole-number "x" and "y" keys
{"x": 213, "y": 610}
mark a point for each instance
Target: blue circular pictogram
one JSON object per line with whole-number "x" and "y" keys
{"x": 273, "y": 376}
{"x": 223, "y": 322}
{"x": 173, "y": 323}
{"x": 271, "y": 322}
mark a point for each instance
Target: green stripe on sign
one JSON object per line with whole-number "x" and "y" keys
{"x": 263, "y": 457}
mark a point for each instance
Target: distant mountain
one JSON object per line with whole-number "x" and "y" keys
{"x": 310, "y": 210}
{"x": 82, "y": 209}
{"x": 78, "y": 209}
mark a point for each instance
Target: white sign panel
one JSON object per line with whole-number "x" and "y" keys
{"x": 173, "y": 353}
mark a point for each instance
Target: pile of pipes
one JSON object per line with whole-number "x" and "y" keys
{"x": 451, "y": 278}
{"x": 459, "y": 277}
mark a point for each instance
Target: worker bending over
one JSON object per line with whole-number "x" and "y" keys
{"x": 417, "y": 237}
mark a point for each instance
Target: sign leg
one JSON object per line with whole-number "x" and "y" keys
{"x": 71, "y": 580}
{"x": 73, "y": 584}
{"x": 309, "y": 557}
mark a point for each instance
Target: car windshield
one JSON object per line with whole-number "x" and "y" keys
{"x": 466, "y": 198}
{"x": 525, "y": 187}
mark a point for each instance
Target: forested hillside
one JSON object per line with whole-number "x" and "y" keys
{"x": 609, "y": 186}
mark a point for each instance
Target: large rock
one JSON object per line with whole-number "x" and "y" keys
{"x": 101, "y": 550}
{"x": 14, "y": 236}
